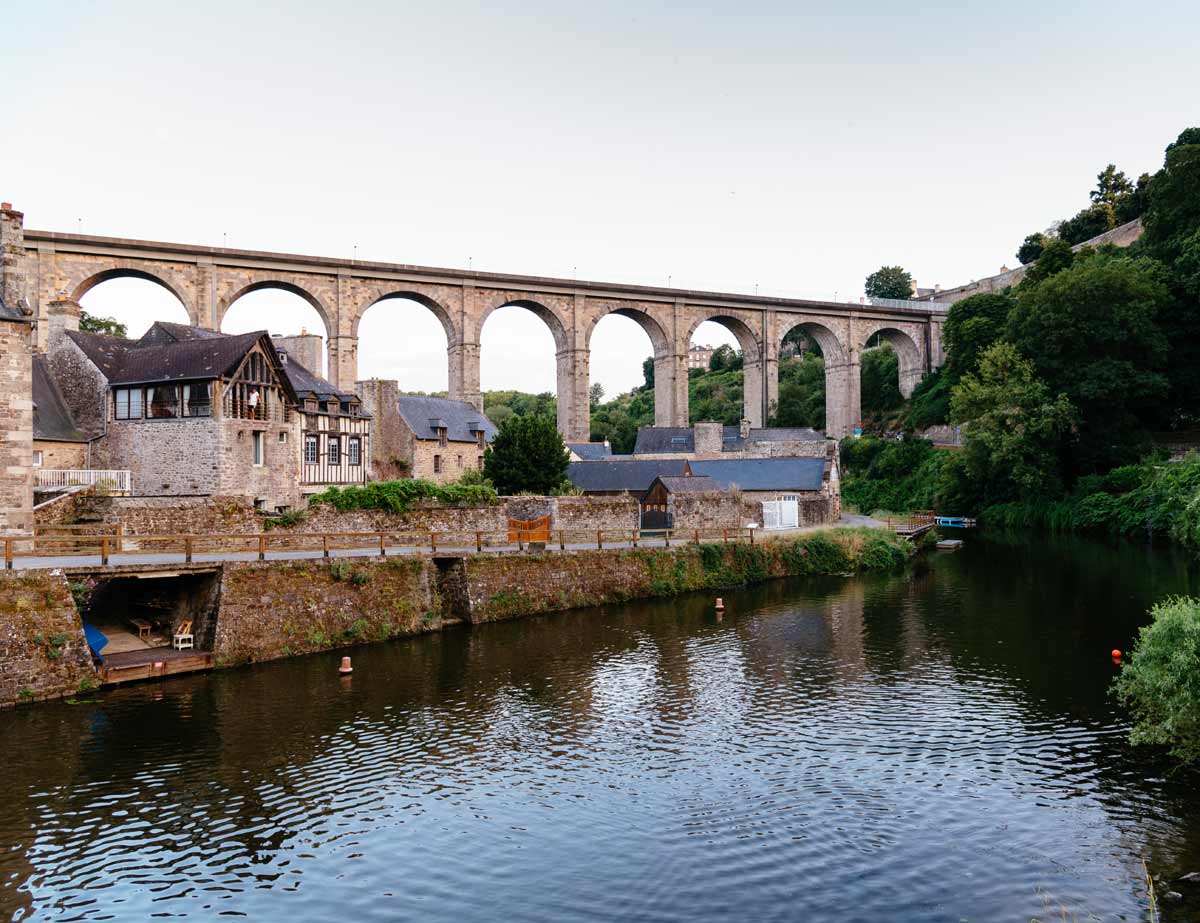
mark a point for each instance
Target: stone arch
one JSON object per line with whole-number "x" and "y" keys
{"x": 666, "y": 364}
{"x": 545, "y": 309}
{"x": 283, "y": 285}
{"x": 659, "y": 339}
{"x": 131, "y": 272}
{"x": 439, "y": 310}
{"x": 842, "y": 404}
{"x": 747, "y": 339}
{"x": 910, "y": 352}
{"x": 755, "y": 402}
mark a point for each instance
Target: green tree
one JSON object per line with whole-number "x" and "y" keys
{"x": 725, "y": 358}
{"x": 1173, "y": 209}
{"x": 91, "y": 324}
{"x": 889, "y": 282}
{"x": 801, "y": 392}
{"x": 880, "y": 380}
{"x": 1092, "y": 334}
{"x": 1092, "y": 221}
{"x": 1160, "y": 683}
{"x": 1111, "y": 186}
{"x": 972, "y": 325}
{"x": 1056, "y": 256}
{"x": 1031, "y": 247}
{"x": 1134, "y": 203}
{"x": 1013, "y": 428}
{"x": 527, "y": 456}
{"x": 648, "y": 373}
{"x": 595, "y": 394}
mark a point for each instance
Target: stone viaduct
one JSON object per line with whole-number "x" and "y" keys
{"x": 208, "y": 280}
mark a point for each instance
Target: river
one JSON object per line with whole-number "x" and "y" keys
{"x": 932, "y": 746}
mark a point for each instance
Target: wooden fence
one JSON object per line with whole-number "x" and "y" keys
{"x": 77, "y": 544}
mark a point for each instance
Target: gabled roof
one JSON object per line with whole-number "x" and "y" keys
{"x": 696, "y": 483}
{"x": 591, "y": 451}
{"x": 623, "y": 473}
{"x": 764, "y": 473}
{"x": 160, "y": 358}
{"x": 162, "y": 331}
{"x": 309, "y": 384}
{"x": 52, "y": 418}
{"x": 423, "y": 414}
{"x": 655, "y": 440}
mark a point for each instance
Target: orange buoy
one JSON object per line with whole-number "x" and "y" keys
{"x": 345, "y": 667}
{"x": 720, "y": 603}
{"x": 1116, "y": 654}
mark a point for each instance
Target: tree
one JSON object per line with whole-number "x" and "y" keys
{"x": 1091, "y": 222}
{"x": 595, "y": 394}
{"x": 1173, "y": 207}
{"x": 880, "y": 380}
{"x": 527, "y": 456}
{"x": 801, "y": 393}
{"x": 90, "y": 324}
{"x": 724, "y": 358}
{"x": 1092, "y": 333}
{"x": 648, "y": 373}
{"x": 1158, "y": 683}
{"x": 1031, "y": 247}
{"x": 1133, "y": 204}
{"x": 889, "y": 282}
{"x": 1111, "y": 186}
{"x": 972, "y": 325}
{"x": 1056, "y": 256}
{"x": 1013, "y": 428}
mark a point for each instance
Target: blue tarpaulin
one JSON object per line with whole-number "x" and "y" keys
{"x": 96, "y": 639}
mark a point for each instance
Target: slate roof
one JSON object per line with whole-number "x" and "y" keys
{"x": 126, "y": 362}
{"x": 419, "y": 413}
{"x": 308, "y": 383}
{"x": 52, "y": 419}
{"x": 623, "y": 473}
{"x": 162, "y": 331}
{"x": 764, "y": 473}
{"x": 591, "y": 451}
{"x": 658, "y": 440}
{"x": 699, "y": 482}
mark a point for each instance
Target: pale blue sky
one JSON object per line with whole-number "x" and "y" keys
{"x": 793, "y": 146}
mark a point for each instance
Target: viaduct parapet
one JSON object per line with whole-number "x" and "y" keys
{"x": 208, "y": 280}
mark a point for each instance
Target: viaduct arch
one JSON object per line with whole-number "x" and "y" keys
{"x": 46, "y": 265}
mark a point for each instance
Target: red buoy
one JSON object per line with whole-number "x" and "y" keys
{"x": 1116, "y": 654}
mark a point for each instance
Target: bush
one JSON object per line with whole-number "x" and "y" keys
{"x": 1160, "y": 684}
{"x": 399, "y": 496}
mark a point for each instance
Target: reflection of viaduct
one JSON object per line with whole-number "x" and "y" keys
{"x": 207, "y": 280}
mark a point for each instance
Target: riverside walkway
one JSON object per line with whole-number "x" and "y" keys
{"x": 91, "y": 551}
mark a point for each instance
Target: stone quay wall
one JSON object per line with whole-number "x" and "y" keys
{"x": 16, "y": 426}
{"x": 43, "y": 653}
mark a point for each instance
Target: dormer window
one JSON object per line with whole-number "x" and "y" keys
{"x": 441, "y": 435}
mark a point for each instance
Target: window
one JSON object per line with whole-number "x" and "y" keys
{"x": 437, "y": 464}
{"x": 354, "y": 450}
{"x": 335, "y": 451}
{"x": 197, "y": 400}
{"x": 460, "y": 461}
{"x": 37, "y": 458}
{"x": 312, "y": 450}
{"x": 480, "y": 437}
{"x": 259, "y": 450}
{"x": 442, "y": 436}
{"x": 128, "y": 403}
{"x": 282, "y": 438}
{"x": 164, "y": 402}
{"x": 480, "y": 462}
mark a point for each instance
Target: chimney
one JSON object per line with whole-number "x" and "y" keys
{"x": 708, "y": 438}
{"x": 62, "y": 314}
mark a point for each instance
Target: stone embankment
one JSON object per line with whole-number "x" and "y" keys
{"x": 286, "y": 608}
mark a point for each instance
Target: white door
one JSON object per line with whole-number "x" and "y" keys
{"x": 789, "y": 511}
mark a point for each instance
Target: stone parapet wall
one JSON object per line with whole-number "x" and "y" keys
{"x": 16, "y": 427}
{"x": 43, "y": 653}
{"x": 715, "y": 509}
{"x": 619, "y": 512}
{"x": 280, "y": 609}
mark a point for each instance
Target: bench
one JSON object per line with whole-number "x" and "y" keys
{"x": 143, "y": 628}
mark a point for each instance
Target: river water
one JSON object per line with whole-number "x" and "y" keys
{"x": 931, "y": 746}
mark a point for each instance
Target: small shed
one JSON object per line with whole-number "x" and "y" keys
{"x": 657, "y": 511}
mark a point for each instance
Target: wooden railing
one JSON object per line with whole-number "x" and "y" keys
{"x": 79, "y": 544}
{"x": 57, "y": 478}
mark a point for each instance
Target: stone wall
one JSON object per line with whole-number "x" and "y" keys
{"x": 16, "y": 426}
{"x": 43, "y": 653}
{"x": 619, "y": 512}
{"x": 277, "y": 480}
{"x": 390, "y": 451}
{"x": 83, "y": 387}
{"x": 62, "y": 454}
{"x": 457, "y": 458}
{"x": 168, "y": 458}
{"x": 171, "y": 515}
{"x": 284, "y": 608}
{"x": 715, "y": 509}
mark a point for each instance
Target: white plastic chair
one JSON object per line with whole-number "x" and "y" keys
{"x": 183, "y": 637}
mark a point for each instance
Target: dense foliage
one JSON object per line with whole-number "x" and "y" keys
{"x": 399, "y": 496}
{"x": 527, "y": 456}
{"x": 1161, "y": 683}
{"x": 889, "y": 282}
{"x": 89, "y": 323}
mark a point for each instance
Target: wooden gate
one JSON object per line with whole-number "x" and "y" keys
{"x": 529, "y": 530}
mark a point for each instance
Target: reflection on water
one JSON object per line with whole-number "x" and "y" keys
{"x": 933, "y": 746}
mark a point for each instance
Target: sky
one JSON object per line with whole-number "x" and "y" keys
{"x": 793, "y": 147}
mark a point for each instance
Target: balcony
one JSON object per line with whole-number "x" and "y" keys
{"x": 112, "y": 481}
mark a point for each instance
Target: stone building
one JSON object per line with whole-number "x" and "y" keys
{"x": 57, "y": 442}
{"x": 699, "y": 357}
{"x": 16, "y": 420}
{"x": 189, "y": 412}
{"x": 813, "y": 485}
{"x": 440, "y": 439}
{"x": 624, "y": 474}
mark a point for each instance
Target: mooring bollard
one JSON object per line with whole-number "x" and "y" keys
{"x": 345, "y": 668}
